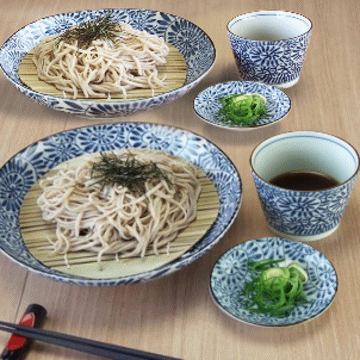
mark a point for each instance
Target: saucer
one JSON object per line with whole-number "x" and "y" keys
{"x": 207, "y": 104}
{"x": 229, "y": 275}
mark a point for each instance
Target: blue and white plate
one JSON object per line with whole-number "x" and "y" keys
{"x": 25, "y": 168}
{"x": 207, "y": 104}
{"x": 230, "y": 274}
{"x": 192, "y": 42}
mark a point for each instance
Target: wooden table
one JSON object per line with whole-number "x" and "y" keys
{"x": 175, "y": 315}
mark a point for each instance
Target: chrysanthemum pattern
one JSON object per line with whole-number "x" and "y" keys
{"x": 229, "y": 276}
{"x": 273, "y": 63}
{"x": 14, "y": 180}
{"x": 303, "y": 213}
{"x": 25, "y": 168}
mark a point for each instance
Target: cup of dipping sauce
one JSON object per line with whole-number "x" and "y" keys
{"x": 270, "y": 46}
{"x": 304, "y": 180}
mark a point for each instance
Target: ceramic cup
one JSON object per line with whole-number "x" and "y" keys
{"x": 304, "y": 214}
{"x": 270, "y": 46}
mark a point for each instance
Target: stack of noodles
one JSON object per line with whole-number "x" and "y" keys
{"x": 105, "y": 67}
{"x": 112, "y": 219}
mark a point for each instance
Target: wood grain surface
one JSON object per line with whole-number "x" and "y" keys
{"x": 175, "y": 315}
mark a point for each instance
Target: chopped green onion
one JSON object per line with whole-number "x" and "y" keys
{"x": 241, "y": 109}
{"x": 274, "y": 290}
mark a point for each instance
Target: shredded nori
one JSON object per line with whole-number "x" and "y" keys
{"x": 104, "y": 27}
{"x": 127, "y": 171}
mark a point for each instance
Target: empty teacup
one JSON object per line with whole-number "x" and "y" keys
{"x": 270, "y": 46}
{"x": 304, "y": 180}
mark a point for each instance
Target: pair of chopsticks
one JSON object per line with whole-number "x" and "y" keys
{"x": 93, "y": 347}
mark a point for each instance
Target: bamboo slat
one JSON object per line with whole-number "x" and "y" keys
{"x": 36, "y": 234}
{"x": 175, "y": 70}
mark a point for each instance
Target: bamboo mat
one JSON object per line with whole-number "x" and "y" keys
{"x": 36, "y": 231}
{"x": 175, "y": 70}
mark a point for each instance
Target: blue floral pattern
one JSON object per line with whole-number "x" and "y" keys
{"x": 271, "y": 62}
{"x": 25, "y": 168}
{"x": 13, "y": 181}
{"x": 303, "y": 213}
{"x": 194, "y": 44}
{"x": 230, "y": 274}
{"x": 207, "y": 104}
{"x": 268, "y": 56}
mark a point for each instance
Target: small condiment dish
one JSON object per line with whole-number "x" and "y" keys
{"x": 207, "y": 104}
{"x": 229, "y": 275}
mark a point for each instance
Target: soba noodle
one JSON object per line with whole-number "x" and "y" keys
{"x": 105, "y": 67}
{"x": 113, "y": 220}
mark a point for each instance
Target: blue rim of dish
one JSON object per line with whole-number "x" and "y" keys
{"x": 266, "y": 325}
{"x": 234, "y": 87}
{"x": 159, "y": 272}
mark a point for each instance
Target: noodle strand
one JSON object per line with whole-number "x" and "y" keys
{"x": 104, "y": 68}
{"x": 113, "y": 220}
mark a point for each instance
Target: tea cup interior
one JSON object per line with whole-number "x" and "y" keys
{"x": 305, "y": 152}
{"x": 269, "y": 25}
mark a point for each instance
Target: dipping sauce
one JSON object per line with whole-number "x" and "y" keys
{"x": 304, "y": 181}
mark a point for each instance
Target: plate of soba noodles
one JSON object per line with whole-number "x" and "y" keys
{"x": 113, "y": 204}
{"x": 108, "y": 62}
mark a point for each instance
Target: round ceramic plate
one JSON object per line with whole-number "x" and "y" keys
{"x": 193, "y": 43}
{"x": 23, "y": 170}
{"x": 207, "y": 104}
{"x": 230, "y": 274}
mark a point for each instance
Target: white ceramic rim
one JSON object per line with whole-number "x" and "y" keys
{"x": 270, "y": 12}
{"x": 317, "y": 133}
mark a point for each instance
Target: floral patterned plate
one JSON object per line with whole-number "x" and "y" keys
{"x": 229, "y": 275}
{"x": 25, "y": 168}
{"x": 192, "y": 42}
{"x": 206, "y": 104}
